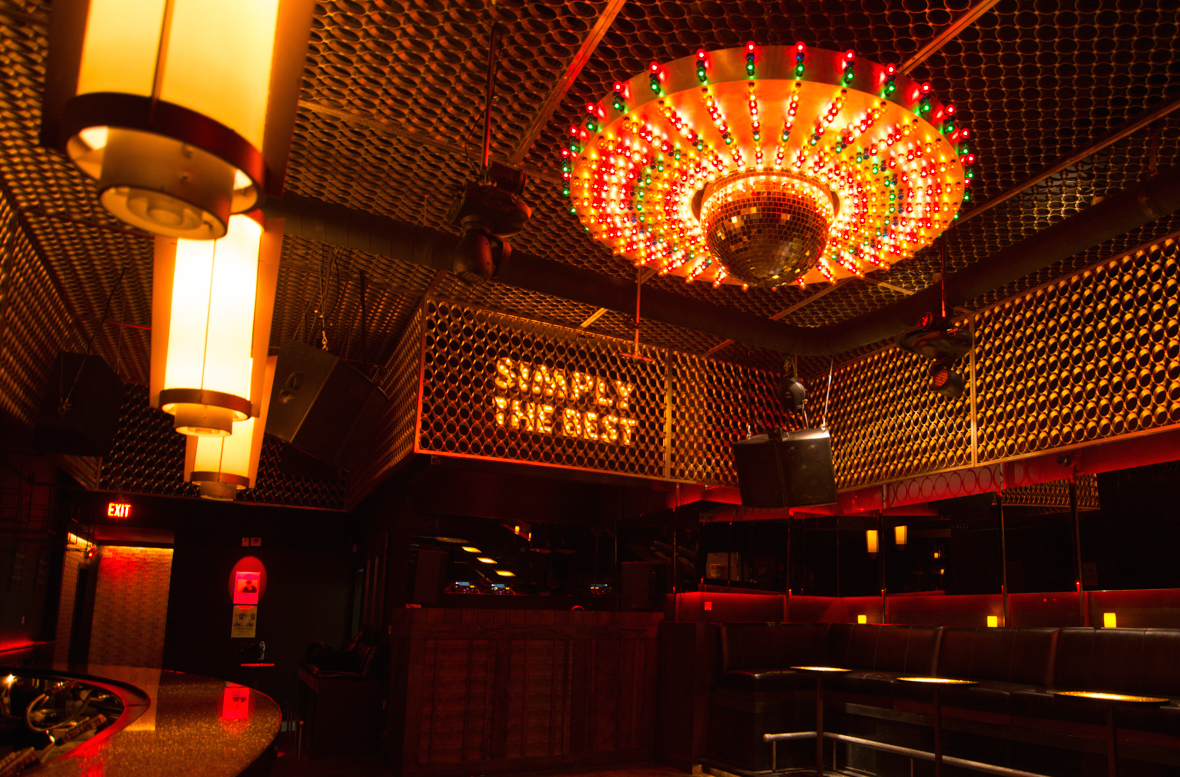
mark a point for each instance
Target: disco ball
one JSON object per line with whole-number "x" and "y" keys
{"x": 766, "y": 229}
{"x": 859, "y": 166}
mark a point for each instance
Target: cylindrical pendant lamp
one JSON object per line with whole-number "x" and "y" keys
{"x": 223, "y": 466}
{"x": 212, "y": 303}
{"x": 182, "y": 110}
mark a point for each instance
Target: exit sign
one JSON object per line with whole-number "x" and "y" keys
{"x": 119, "y": 510}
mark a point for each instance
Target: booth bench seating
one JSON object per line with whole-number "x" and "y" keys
{"x": 1017, "y": 671}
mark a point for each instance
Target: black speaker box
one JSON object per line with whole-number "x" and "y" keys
{"x": 86, "y": 425}
{"x": 322, "y": 406}
{"x": 795, "y": 471}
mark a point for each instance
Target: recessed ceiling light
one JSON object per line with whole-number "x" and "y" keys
{"x": 504, "y": 573}
{"x": 471, "y": 549}
{"x": 487, "y": 560}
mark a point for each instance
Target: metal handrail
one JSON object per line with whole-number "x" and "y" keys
{"x": 925, "y": 755}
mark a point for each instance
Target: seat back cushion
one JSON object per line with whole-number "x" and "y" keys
{"x": 771, "y": 645}
{"x": 1161, "y": 662}
{"x": 747, "y": 646}
{"x": 1022, "y": 656}
{"x": 902, "y": 649}
{"x": 1136, "y": 661}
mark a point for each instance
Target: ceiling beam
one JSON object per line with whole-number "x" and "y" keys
{"x": 566, "y": 81}
{"x": 947, "y": 35}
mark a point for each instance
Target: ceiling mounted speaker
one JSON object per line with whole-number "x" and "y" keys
{"x": 794, "y": 471}
{"x": 322, "y": 406}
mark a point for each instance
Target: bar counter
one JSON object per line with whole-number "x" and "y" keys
{"x": 172, "y": 723}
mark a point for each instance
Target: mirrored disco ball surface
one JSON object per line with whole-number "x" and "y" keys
{"x": 766, "y": 229}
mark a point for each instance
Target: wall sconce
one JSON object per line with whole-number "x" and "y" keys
{"x": 222, "y": 466}
{"x": 993, "y": 621}
{"x": 900, "y": 535}
{"x": 212, "y": 302}
{"x": 1109, "y": 621}
{"x": 862, "y": 619}
{"x": 182, "y": 110}
{"x": 871, "y": 541}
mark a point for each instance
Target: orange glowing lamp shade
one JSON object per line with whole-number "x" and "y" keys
{"x": 766, "y": 166}
{"x": 1110, "y": 620}
{"x": 993, "y": 621}
{"x": 220, "y": 467}
{"x": 901, "y": 535}
{"x": 177, "y": 132}
{"x": 212, "y": 304}
{"x": 871, "y": 541}
{"x": 862, "y": 619}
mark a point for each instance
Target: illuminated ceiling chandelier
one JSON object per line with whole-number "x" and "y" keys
{"x": 767, "y": 165}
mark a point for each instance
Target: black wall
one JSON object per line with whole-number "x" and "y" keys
{"x": 310, "y": 568}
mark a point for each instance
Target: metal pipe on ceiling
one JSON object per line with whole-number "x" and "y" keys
{"x": 1116, "y": 215}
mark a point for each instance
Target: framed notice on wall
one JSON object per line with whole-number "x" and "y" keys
{"x": 246, "y": 586}
{"x": 245, "y": 622}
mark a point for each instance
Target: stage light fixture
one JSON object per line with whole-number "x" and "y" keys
{"x": 945, "y": 381}
{"x": 182, "y": 110}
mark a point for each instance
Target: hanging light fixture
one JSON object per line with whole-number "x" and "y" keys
{"x": 767, "y": 165}
{"x": 182, "y": 110}
{"x": 212, "y": 302}
{"x": 222, "y": 466}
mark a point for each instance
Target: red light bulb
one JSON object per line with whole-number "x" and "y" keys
{"x": 700, "y": 53}
{"x": 655, "y": 67}
{"x": 849, "y": 54}
{"x": 890, "y": 70}
{"x": 750, "y": 46}
{"x": 950, "y": 109}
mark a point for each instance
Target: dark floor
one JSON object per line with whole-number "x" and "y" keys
{"x": 289, "y": 765}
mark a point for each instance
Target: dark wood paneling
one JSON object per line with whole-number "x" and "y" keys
{"x": 504, "y": 690}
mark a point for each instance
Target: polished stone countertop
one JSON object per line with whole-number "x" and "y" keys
{"x": 182, "y": 724}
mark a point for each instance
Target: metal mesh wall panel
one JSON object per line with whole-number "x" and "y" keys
{"x": 715, "y": 403}
{"x": 1054, "y": 495}
{"x": 1090, "y": 357}
{"x": 886, "y": 424}
{"x": 459, "y": 412}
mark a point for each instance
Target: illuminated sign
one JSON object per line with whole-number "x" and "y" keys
{"x": 119, "y": 510}
{"x": 534, "y": 398}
